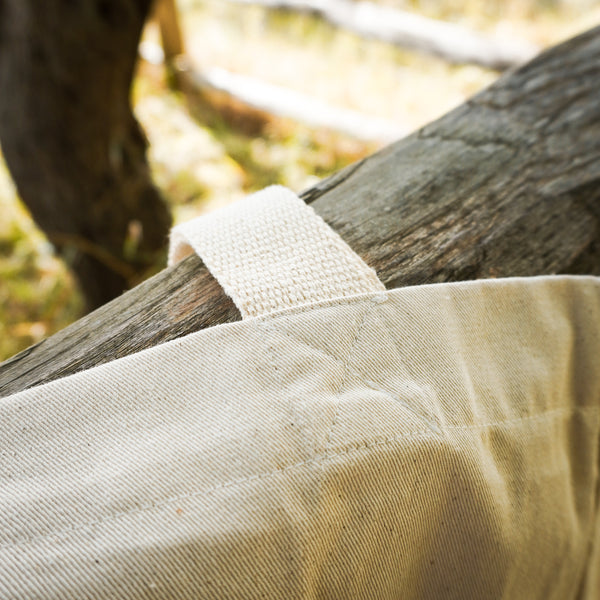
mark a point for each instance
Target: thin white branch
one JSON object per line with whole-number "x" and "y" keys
{"x": 447, "y": 40}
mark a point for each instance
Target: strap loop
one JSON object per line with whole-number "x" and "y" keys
{"x": 271, "y": 251}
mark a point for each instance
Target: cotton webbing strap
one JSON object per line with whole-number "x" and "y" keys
{"x": 271, "y": 251}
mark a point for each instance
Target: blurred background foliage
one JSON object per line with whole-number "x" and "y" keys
{"x": 202, "y": 158}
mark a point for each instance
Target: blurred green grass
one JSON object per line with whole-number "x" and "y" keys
{"x": 202, "y": 159}
{"x": 37, "y": 293}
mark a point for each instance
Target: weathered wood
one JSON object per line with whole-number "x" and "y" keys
{"x": 507, "y": 184}
{"x": 449, "y": 41}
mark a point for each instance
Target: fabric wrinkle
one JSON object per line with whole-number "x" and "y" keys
{"x": 341, "y": 441}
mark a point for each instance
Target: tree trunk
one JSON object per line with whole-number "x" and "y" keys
{"x": 508, "y": 184}
{"x": 70, "y": 139}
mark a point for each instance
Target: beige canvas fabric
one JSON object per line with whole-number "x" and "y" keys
{"x": 437, "y": 441}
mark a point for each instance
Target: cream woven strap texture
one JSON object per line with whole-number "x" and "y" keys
{"x": 271, "y": 251}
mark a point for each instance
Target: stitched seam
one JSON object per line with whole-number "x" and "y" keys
{"x": 322, "y": 305}
{"x": 536, "y": 280}
{"x": 283, "y": 313}
{"x": 422, "y": 416}
{"x": 295, "y": 416}
{"x": 328, "y": 437}
{"x": 317, "y": 460}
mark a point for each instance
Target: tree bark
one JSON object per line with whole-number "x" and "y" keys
{"x": 70, "y": 139}
{"x": 508, "y": 184}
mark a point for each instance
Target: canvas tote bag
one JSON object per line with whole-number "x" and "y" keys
{"x": 341, "y": 441}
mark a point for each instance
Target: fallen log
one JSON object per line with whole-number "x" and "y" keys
{"x": 508, "y": 184}
{"x": 449, "y": 41}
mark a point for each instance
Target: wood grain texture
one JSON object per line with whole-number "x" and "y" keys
{"x": 508, "y": 184}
